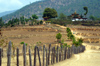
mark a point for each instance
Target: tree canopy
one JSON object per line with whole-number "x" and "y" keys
{"x": 62, "y": 16}
{"x": 86, "y": 9}
{"x": 34, "y": 16}
{"x": 50, "y": 13}
{"x": 1, "y": 22}
{"x": 92, "y": 17}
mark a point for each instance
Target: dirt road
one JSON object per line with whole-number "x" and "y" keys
{"x": 88, "y": 58}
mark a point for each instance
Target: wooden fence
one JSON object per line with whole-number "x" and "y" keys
{"x": 50, "y": 56}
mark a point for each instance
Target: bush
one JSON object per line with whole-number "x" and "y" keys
{"x": 41, "y": 22}
{"x": 71, "y": 36}
{"x": 68, "y": 30}
{"x": 80, "y": 40}
{"x": 22, "y": 43}
{"x": 58, "y": 36}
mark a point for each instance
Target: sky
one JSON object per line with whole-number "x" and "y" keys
{"x": 9, "y": 5}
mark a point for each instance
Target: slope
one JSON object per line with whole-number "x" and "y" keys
{"x": 62, "y": 6}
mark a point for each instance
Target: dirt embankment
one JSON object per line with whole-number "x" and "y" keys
{"x": 30, "y": 29}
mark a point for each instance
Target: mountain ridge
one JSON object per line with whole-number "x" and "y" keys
{"x": 6, "y": 12}
{"x": 62, "y": 6}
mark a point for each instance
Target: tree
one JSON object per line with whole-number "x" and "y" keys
{"x": 50, "y": 13}
{"x": 62, "y": 16}
{"x": 58, "y": 36}
{"x": 41, "y": 22}
{"x": 68, "y": 30}
{"x": 22, "y": 20}
{"x": 34, "y": 16}
{"x": 26, "y": 20}
{"x": 92, "y": 17}
{"x": 1, "y": 22}
{"x": 86, "y": 9}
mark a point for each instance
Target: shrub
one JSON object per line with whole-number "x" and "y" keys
{"x": 68, "y": 46}
{"x": 41, "y": 22}
{"x": 69, "y": 33}
{"x": 22, "y": 43}
{"x": 68, "y": 30}
{"x": 58, "y": 36}
{"x": 62, "y": 41}
{"x": 71, "y": 36}
{"x": 80, "y": 40}
{"x": 65, "y": 44}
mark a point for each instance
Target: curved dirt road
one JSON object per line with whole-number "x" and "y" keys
{"x": 88, "y": 58}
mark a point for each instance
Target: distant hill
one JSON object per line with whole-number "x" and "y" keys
{"x": 6, "y": 12}
{"x": 62, "y": 6}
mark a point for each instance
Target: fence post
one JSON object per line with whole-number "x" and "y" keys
{"x": 17, "y": 56}
{"x": 0, "y": 56}
{"x": 46, "y": 57}
{"x": 2, "y": 52}
{"x": 65, "y": 53}
{"x": 14, "y": 52}
{"x": 52, "y": 57}
{"x": 9, "y": 54}
{"x": 78, "y": 49}
{"x": 72, "y": 49}
{"x": 57, "y": 55}
{"x": 30, "y": 60}
{"x": 68, "y": 53}
{"x": 60, "y": 55}
{"x": 43, "y": 54}
{"x": 24, "y": 54}
{"x": 49, "y": 54}
{"x": 39, "y": 56}
{"x": 35, "y": 55}
{"x": 54, "y": 54}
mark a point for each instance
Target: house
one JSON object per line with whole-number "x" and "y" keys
{"x": 45, "y": 20}
{"x": 77, "y": 17}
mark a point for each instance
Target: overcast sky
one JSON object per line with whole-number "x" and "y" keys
{"x": 8, "y": 5}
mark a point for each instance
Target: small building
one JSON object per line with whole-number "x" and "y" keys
{"x": 45, "y": 20}
{"x": 77, "y": 17}
{"x": 48, "y": 22}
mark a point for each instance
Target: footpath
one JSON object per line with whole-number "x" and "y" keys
{"x": 87, "y": 58}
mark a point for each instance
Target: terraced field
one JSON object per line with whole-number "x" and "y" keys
{"x": 90, "y": 35}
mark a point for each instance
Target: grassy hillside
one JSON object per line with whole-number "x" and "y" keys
{"x": 62, "y": 6}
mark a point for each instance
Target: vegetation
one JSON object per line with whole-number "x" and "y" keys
{"x": 58, "y": 36}
{"x": 70, "y": 36}
{"x": 50, "y": 13}
{"x": 86, "y": 9}
{"x": 23, "y": 43}
{"x": 34, "y": 16}
{"x": 21, "y": 21}
{"x": 3, "y": 42}
{"x": 64, "y": 44}
{"x": 63, "y": 7}
{"x": 39, "y": 43}
{"x": 1, "y": 22}
{"x": 62, "y": 16}
{"x": 68, "y": 30}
